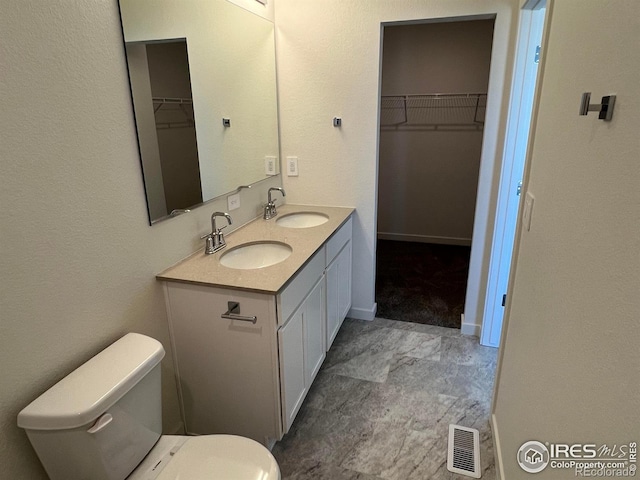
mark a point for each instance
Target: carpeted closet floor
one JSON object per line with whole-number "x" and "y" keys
{"x": 421, "y": 282}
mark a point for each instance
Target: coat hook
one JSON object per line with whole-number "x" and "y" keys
{"x": 605, "y": 107}
{"x": 337, "y": 122}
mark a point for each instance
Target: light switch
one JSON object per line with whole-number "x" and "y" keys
{"x": 292, "y": 166}
{"x": 233, "y": 201}
{"x": 270, "y": 165}
{"x": 527, "y": 211}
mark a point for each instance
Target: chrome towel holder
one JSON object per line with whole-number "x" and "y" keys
{"x": 605, "y": 107}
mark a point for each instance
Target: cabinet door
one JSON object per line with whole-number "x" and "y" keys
{"x": 314, "y": 332}
{"x": 227, "y": 368}
{"x": 338, "y": 292}
{"x": 292, "y": 371}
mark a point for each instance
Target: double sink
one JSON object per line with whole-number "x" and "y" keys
{"x": 262, "y": 254}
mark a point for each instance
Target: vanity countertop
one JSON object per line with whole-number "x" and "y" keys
{"x": 203, "y": 269}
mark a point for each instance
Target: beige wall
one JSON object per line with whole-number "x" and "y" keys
{"x": 76, "y": 251}
{"x": 428, "y": 175}
{"x": 569, "y": 371}
{"x": 328, "y": 66}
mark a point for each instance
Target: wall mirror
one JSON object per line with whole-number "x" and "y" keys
{"x": 203, "y": 83}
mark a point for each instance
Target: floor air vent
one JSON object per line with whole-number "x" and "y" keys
{"x": 464, "y": 451}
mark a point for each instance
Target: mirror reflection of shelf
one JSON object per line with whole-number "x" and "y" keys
{"x": 173, "y": 112}
{"x": 434, "y": 110}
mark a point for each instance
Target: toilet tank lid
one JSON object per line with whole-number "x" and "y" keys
{"x": 87, "y": 392}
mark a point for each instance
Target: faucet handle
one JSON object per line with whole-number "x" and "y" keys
{"x": 209, "y": 244}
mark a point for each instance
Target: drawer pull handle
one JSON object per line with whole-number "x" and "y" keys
{"x": 233, "y": 313}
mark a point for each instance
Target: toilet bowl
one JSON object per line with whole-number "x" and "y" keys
{"x": 104, "y": 421}
{"x": 207, "y": 457}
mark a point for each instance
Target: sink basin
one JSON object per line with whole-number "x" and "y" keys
{"x": 302, "y": 220}
{"x": 255, "y": 255}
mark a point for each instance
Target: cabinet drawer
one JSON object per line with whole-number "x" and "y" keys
{"x": 300, "y": 285}
{"x": 337, "y": 241}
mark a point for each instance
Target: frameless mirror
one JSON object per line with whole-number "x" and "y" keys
{"x": 203, "y": 83}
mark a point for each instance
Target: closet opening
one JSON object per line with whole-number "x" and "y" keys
{"x": 434, "y": 87}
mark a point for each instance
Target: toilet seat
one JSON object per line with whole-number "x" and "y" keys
{"x": 208, "y": 457}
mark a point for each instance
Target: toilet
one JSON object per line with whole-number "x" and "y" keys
{"x": 104, "y": 422}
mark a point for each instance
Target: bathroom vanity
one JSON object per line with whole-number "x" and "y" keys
{"x": 248, "y": 342}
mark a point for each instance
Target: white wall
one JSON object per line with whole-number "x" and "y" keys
{"x": 434, "y": 167}
{"x": 77, "y": 255}
{"x": 570, "y": 362}
{"x": 329, "y": 65}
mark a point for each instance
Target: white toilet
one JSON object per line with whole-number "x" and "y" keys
{"x": 103, "y": 422}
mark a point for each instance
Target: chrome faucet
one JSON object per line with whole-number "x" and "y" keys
{"x": 215, "y": 239}
{"x": 270, "y": 208}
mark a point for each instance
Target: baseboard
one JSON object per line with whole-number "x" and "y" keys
{"x": 408, "y": 237}
{"x": 472, "y": 329}
{"x": 497, "y": 451}
{"x": 363, "y": 313}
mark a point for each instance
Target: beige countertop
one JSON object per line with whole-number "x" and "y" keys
{"x": 203, "y": 269}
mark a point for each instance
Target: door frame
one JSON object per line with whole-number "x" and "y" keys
{"x": 523, "y": 87}
{"x": 500, "y": 78}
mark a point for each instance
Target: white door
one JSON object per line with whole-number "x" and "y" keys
{"x": 523, "y": 88}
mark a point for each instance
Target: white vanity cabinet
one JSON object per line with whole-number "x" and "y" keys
{"x": 240, "y": 377}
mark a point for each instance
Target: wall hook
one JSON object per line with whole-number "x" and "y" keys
{"x": 605, "y": 107}
{"x": 337, "y": 122}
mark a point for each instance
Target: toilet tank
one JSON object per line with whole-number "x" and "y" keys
{"x": 101, "y": 420}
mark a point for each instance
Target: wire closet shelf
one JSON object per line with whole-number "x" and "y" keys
{"x": 434, "y": 110}
{"x": 173, "y": 112}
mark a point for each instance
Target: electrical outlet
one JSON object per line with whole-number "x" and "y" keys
{"x": 270, "y": 165}
{"x": 292, "y": 166}
{"x": 233, "y": 201}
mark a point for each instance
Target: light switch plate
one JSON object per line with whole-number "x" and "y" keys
{"x": 270, "y": 165}
{"x": 233, "y": 201}
{"x": 292, "y": 166}
{"x": 527, "y": 211}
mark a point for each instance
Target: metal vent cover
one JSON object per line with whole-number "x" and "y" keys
{"x": 463, "y": 455}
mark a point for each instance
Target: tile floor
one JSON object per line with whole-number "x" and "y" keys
{"x": 381, "y": 405}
